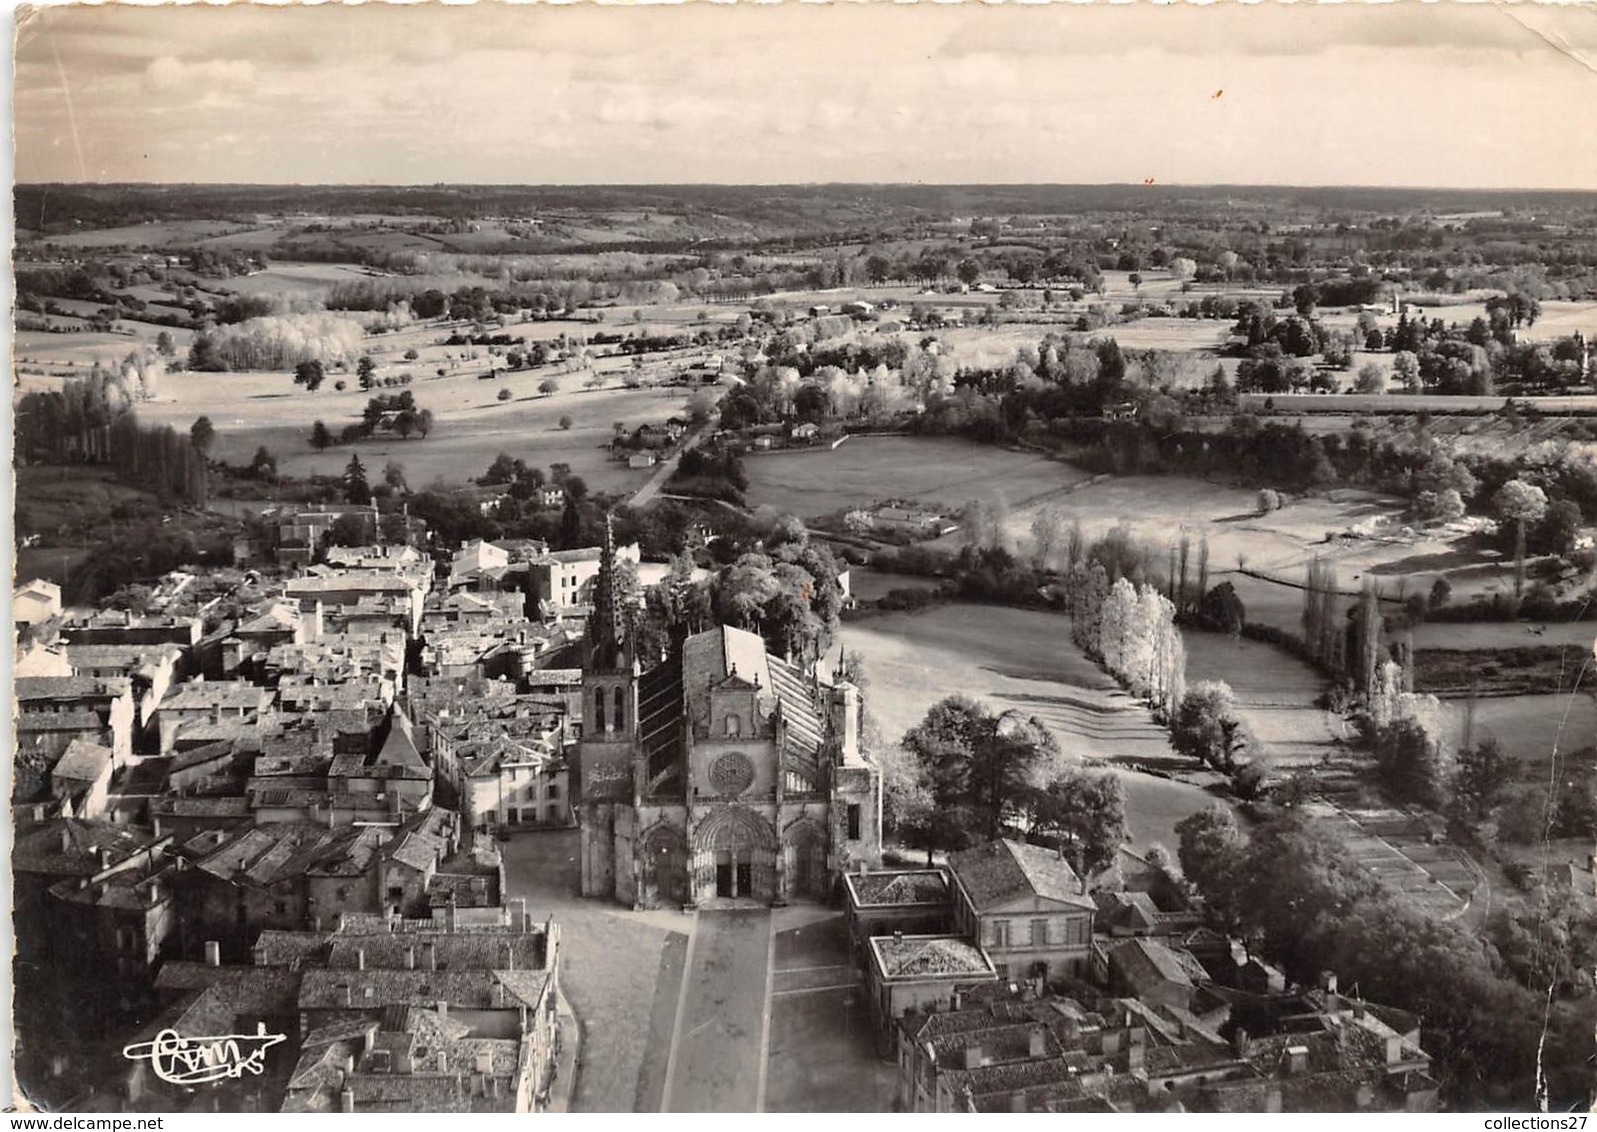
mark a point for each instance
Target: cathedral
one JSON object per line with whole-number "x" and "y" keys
{"x": 723, "y": 772}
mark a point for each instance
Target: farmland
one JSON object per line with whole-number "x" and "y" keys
{"x": 943, "y": 471}
{"x": 472, "y": 425}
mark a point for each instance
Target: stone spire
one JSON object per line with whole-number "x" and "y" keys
{"x": 607, "y": 627}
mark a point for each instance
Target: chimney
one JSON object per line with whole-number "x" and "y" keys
{"x": 346, "y": 1100}
{"x": 1394, "y": 1049}
{"x": 443, "y": 1059}
{"x": 155, "y": 824}
{"x": 521, "y": 922}
{"x": 360, "y": 959}
{"x": 443, "y": 1008}
{"x": 957, "y": 1002}
{"x": 1240, "y": 1044}
{"x": 1297, "y": 1060}
{"x": 430, "y": 952}
{"x": 66, "y": 838}
{"x": 510, "y": 957}
{"x": 213, "y": 953}
{"x": 1039, "y": 1042}
{"x": 973, "y": 1056}
{"x": 898, "y": 937}
{"x": 104, "y": 856}
{"x": 1328, "y": 982}
{"x": 349, "y": 995}
{"x": 370, "y": 1038}
{"x": 410, "y": 958}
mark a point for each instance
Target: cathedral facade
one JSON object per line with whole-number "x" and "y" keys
{"x": 724, "y": 772}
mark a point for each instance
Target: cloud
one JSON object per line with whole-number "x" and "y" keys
{"x": 169, "y": 74}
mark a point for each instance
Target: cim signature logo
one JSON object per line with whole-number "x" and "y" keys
{"x": 195, "y": 1061}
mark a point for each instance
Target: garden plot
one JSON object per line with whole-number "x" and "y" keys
{"x": 1396, "y": 850}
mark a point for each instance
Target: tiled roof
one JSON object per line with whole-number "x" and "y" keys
{"x": 918, "y": 886}
{"x": 372, "y": 989}
{"x": 1000, "y": 871}
{"x": 246, "y": 990}
{"x": 70, "y": 846}
{"x": 1145, "y": 962}
{"x": 800, "y": 712}
{"x": 59, "y": 721}
{"x": 31, "y": 688}
{"x": 82, "y": 762}
{"x": 199, "y": 696}
{"x": 911, "y": 956}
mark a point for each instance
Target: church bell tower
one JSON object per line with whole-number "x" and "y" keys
{"x": 609, "y": 685}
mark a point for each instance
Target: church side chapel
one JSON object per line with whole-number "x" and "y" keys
{"x": 722, "y": 773}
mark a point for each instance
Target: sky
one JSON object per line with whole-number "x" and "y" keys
{"x": 1443, "y": 94}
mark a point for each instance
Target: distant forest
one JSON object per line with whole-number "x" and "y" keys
{"x": 776, "y": 208}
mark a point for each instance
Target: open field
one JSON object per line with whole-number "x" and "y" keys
{"x": 1275, "y": 696}
{"x": 942, "y": 470}
{"x": 1022, "y": 659}
{"x": 251, "y": 409}
{"x": 1530, "y": 728}
{"x": 155, "y": 234}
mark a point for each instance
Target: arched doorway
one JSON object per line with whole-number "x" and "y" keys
{"x": 665, "y": 867}
{"x": 804, "y": 847}
{"x": 734, "y": 855}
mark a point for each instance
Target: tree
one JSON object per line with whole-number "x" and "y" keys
{"x": 1222, "y": 611}
{"x": 975, "y": 770}
{"x": 1207, "y": 727}
{"x": 1410, "y": 763}
{"x": 424, "y": 422}
{"x": 320, "y": 436}
{"x": 968, "y": 271}
{"x": 309, "y": 374}
{"x": 356, "y": 489}
{"x": 264, "y": 465}
{"x": 366, "y": 371}
{"x": 164, "y": 345}
{"x": 504, "y": 394}
{"x": 202, "y": 434}
{"x": 548, "y": 386}
{"x": 394, "y": 476}
{"x": 1085, "y": 811}
{"x": 1135, "y": 279}
{"x": 1519, "y": 503}
{"x": 1406, "y": 367}
{"x": 1047, "y": 530}
{"x": 405, "y": 423}
{"x": 566, "y": 422}
{"x": 1482, "y": 775}
{"x": 1371, "y": 379}
{"x": 1209, "y": 851}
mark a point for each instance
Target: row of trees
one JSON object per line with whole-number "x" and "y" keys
{"x": 92, "y": 419}
{"x": 277, "y": 342}
{"x": 1131, "y": 631}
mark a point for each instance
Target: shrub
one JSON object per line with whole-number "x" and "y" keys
{"x": 565, "y": 421}
{"x": 504, "y": 394}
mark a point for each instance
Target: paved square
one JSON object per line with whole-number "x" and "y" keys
{"x": 718, "y": 1063}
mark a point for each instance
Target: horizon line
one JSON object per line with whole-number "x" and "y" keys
{"x": 1131, "y": 185}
